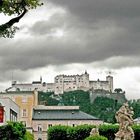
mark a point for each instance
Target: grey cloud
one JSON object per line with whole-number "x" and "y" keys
{"x": 48, "y": 26}
{"x": 95, "y": 31}
{"x": 117, "y": 62}
{"x": 95, "y": 9}
{"x": 30, "y": 53}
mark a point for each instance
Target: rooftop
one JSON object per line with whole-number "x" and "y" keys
{"x": 61, "y": 113}
{"x": 17, "y": 92}
{"x": 42, "y": 107}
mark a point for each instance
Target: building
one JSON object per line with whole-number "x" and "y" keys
{"x": 47, "y": 116}
{"x": 9, "y": 110}
{"x": 64, "y": 83}
{"x": 137, "y": 121}
{"x": 27, "y": 86}
{"x": 23, "y": 106}
{"x": 26, "y": 101}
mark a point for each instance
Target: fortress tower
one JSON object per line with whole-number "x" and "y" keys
{"x": 35, "y": 97}
{"x": 110, "y": 81}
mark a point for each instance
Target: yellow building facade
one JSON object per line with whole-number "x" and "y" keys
{"x": 26, "y": 101}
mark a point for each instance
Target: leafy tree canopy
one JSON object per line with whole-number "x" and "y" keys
{"x": 118, "y": 90}
{"x": 17, "y": 8}
{"x": 12, "y": 131}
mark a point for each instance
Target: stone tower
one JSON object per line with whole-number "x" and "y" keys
{"x": 110, "y": 82}
{"x": 35, "y": 97}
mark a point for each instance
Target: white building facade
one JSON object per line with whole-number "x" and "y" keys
{"x": 64, "y": 83}
{"x": 11, "y": 110}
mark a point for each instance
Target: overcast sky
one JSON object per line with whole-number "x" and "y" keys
{"x": 71, "y": 36}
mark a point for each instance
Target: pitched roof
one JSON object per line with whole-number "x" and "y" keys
{"x": 39, "y": 114}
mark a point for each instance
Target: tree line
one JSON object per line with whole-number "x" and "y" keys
{"x": 103, "y": 108}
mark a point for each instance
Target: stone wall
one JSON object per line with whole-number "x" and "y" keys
{"x": 120, "y": 97}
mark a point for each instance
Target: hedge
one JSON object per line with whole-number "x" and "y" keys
{"x": 58, "y": 133}
{"x": 108, "y": 131}
{"x": 96, "y": 137}
{"x": 83, "y": 131}
{"x": 69, "y": 133}
{"x": 79, "y": 132}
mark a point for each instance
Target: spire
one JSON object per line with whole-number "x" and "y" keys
{"x": 41, "y": 79}
{"x": 85, "y": 71}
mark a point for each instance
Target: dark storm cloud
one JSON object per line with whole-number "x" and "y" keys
{"x": 47, "y": 27}
{"x": 101, "y": 9}
{"x": 103, "y": 32}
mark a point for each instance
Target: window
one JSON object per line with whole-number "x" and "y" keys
{"x": 13, "y": 115}
{"x": 24, "y": 113}
{"x": 39, "y": 128}
{"x": 49, "y": 125}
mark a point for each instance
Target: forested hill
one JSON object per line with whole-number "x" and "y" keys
{"x": 102, "y": 107}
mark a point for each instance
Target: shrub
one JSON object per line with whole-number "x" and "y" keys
{"x": 83, "y": 131}
{"x": 108, "y": 131}
{"x": 28, "y": 136}
{"x": 96, "y": 137}
{"x": 136, "y": 129}
{"x": 79, "y": 132}
{"x": 57, "y": 133}
{"x": 69, "y": 133}
{"x": 12, "y": 131}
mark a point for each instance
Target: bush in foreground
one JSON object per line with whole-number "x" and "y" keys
{"x": 79, "y": 132}
{"x": 14, "y": 131}
{"x": 83, "y": 131}
{"x": 57, "y": 133}
{"x": 96, "y": 137}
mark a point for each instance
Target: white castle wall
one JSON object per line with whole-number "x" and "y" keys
{"x": 66, "y": 83}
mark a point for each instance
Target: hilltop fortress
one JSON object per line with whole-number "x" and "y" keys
{"x": 64, "y": 83}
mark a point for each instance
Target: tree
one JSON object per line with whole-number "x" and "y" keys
{"x": 104, "y": 108}
{"x": 118, "y": 90}
{"x": 17, "y": 8}
{"x": 135, "y": 104}
{"x": 12, "y": 131}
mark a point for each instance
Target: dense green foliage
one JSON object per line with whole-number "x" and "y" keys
{"x": 136, "y": 107}
{"x": 69, "y": 133}
{"x": 14, "y": 131}
{"x": 96, "y": 137}
{"x": 79, "y": 132}
{"x": 28, "y": 136}
{"x": 47, "y": 99}
{"x": 108, "y": 131}
{"x": 17, "y": 8}
{"x": 136, "y": 129}
{"x": 78, "y": 97}
{"x": 103, "y": 108}
{"x": 57, "y": 133}
{"x": 82, "y": 132}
